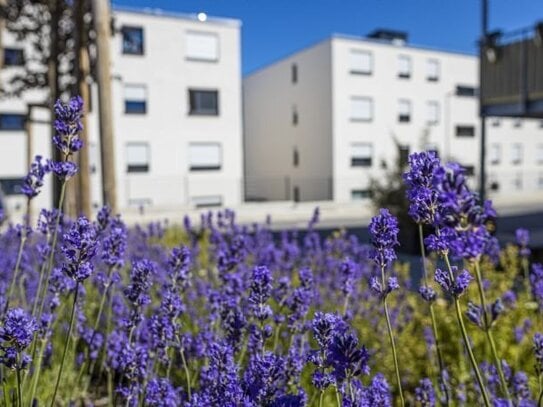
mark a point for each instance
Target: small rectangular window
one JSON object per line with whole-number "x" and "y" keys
{"x": 404, "y": 156}
{"x": 13, "y": 57}
{"x": 361, "y": 109}
{"x": 517, "y": 123}
{"x": 496, "y": 122}
{"x": 404, "y": 67}
{"x": 516, "y": 153}
{"x": 517, "y": 182}
{"x": 469, "y": 170}
{"x": 464, "y": 90}
{"x": 207, "y": 201}
{"x": 432, "y": 74}
{"x": 294, "y": 73}
{"x": 294, "y": 116}
{"x": 404, "y": 111}
{"x": 361, "y": 154}
{"x": 295, "y": 158}
{"x": 205, "y": 156}
{"x": 433, "y": 112}
{"x": 135, "y": 99}
{"x": 133, "y": 43}
{"x": 296, "y": 193}
{"x": 465, "y": 131}
{"x": 137, "y": 157}
{"x": 11, "y": 186}
{"x": 360, "y": 194}
{"x": 12, "y": 121}
{"x": 201, "y": 46}
{"x": 495, "y": 154}
{"x": 539, "y": 154}
{"x": 361, "y": 62}
{"x": 540, "y": 181}
{"x": 203, "y": 102}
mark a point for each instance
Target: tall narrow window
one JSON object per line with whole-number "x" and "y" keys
{"x": 203, "y": 102}
{"x": 13, "y": 57}
{"x": 135, "y": 99}
{"x": 361, "y": 62}
{"x": 404, "y": 111}
{"x": 133, "y": 43}
{"x": 137, "y": 157}
{"x": 404, "y": 67}
{"x": 294, "y": 73}
{"x": 404, "y": 156}
{"x": 361, "y": 154}
{"x": 433, "y": 112}
{"x": 296, "y": 193}
{"x": 516, "y": 153}
{"x": 201, "y": 46}
{"x": 495, "y": 154}
{"x": 205, "y": 156}
{"x": 432, "y": 70}
{"x": 539, "y": 154}
{"x": 294, "y": 116}
{"x": 295, "y": 157}
{"x": 361, "y": 109}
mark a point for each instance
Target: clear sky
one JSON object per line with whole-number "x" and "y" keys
{"x": 275, "y": 28}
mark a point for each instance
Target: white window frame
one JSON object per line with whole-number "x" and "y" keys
{"x": 404, "y": 109}
{"x": 206, "y": 201}
{"x": 139, "y": 165}
{"x": 367, "y": 111}
{"x": 405, "y": 66}
{"x": 364, "y": 66}
{"x": 516, "y": 153}
{"x": 363, "y": 152}
{"x": 198, "y": 55}
{"x": 432, "y": 106}
{"x": 495, "y": 153}
{"x": 204, "y": 164}
{"x": 432, "y": 70}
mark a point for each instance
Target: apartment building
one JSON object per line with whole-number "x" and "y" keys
{"x": 324, "y": 122}
{"x": 176, "y": 83}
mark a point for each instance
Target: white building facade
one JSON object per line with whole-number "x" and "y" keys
{"x": 177, "y": 115}
{"x": 321, "y": 124}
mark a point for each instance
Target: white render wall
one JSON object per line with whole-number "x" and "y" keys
{"x": 166, "y": 126}
{"x": 267, "y": 95}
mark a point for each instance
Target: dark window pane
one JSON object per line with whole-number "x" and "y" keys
{"x": 404, "y": 75}
{"x": 465, "y": 90}
{"x": 404, "y": 156}
{"x": 12, "y": 121}
{"x": 132, "y": 107}
{"x": 296, "y": 194}
{"x": 137, "y": 168}
{"x": 360, "y": 194}
{"x": 296, "y": 158}
{"x": 204, "y": 102}
{"x": 294, "y": 73}
{"x": 470, "y": 170}
{"x": 404, "y": 118}
{"x": 11, "y": 186}
{"x": 132, "y": 40}
{"x": 360, "y": 161}
{"x": 465, "y": 131}
{"x": 13, "y": 57}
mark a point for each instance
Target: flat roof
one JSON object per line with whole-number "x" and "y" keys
{"x": 158, "y": 12}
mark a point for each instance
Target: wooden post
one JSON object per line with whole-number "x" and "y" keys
{"x": 102, "y": 22}
{"x": 83, "y": 196}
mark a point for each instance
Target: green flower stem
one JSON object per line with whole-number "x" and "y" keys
{"x": 391, "y": 338}
{"x": 66, "y": 344}
{"x": 465, "y": 337}
{"x": 440, "y": 362}
{"x": 488, "y": 331}
{"x": 19, "y": 393}
{"x": 16, "y": 271}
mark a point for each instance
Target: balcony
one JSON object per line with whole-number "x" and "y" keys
{"x": 512, "y": 74}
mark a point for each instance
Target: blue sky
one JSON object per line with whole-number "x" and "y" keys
{"x": 275, "y": 28}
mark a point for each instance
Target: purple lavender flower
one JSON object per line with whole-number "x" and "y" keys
{"x": 346, "y": 357}
{"x": 18, "y": 329}
{"x": 523, "y": 240}
{"x": 425, "y": 394}
{"x": 160, "y": 392}
{"x": 427, "y": 293}
{"x": 137, "y": 291}
{"x": 261, "y": 289}
{"x": 33, "y": 181}
{"x": 79, "y": 247}
{"x": 68, "y": 125}
{"x": 64, "y": 170}
{"x": 538, "y": 352}
{"x": 454, "y": 287}
{"x": 536, "y": 280}
{"x": 264, "y": 378}
{"x": 179, "y": 263}
{"x": 384, "y": 231}
{"x": 475, "y": 314}
{"x": 114, "y": 244}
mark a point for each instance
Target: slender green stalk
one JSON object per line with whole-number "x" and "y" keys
{"x": 40, "y": 283}
{"x": 488, "y": 332}
{"x": 338, "y": 399}
{"x": 465, "y": 337}
{"x": 66, "y": 344}
{"x": 187, "y": 372}
{"x": 19, "y": 393}
{"x": 391, "y": 338}
{"x": 440, "y": 362}
{"x": 16, "y": 271}
{"x": 321, "y": 398}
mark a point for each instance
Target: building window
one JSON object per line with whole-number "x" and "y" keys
{"x": 541, "y": 124}
{"x": 404, "y": 156}
{"x": 202, "y": 46}
{"x": 432, "y": 73}
{"x": 295, "y": 157}
{"x": 361, "y": 62}
{"x": 205, "y": 156}
{"x": 361, "y": 154}
{"x": 132, "y": 40}
{"x": 296, "y": 193}
{"x": 516, "y": 153}
{"x": 11, "y": 186}
{"x": 13, "y": 57}
{"x": 540, "y": 181}
{"x": 539, "y": 154}
{"x": 137, "y": 157}
{"x": 404, "y": 111}
{"x": 469, "y": 170}
{"x": 361, "y": 109}
{"x": 204, "y": 102}
{"x": 496, "y": 122}
{"x": 404, "y": 67}
{"x": 294, "y": 116}
{"x": 465, "y": 131}
{"x": 495, "y": 154}
{"x": 464, "y": 90}
{"x": 433, "y": 112}
{"x": 360, "y": 194}
{"x": 294, "y": 73}
{"x": 517, "y": 123}
{"x": 135, "y": 99}
{"x": 517, "y": 182}
{"x": 12, "y": 121}
{"x": 208, "y": 201}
